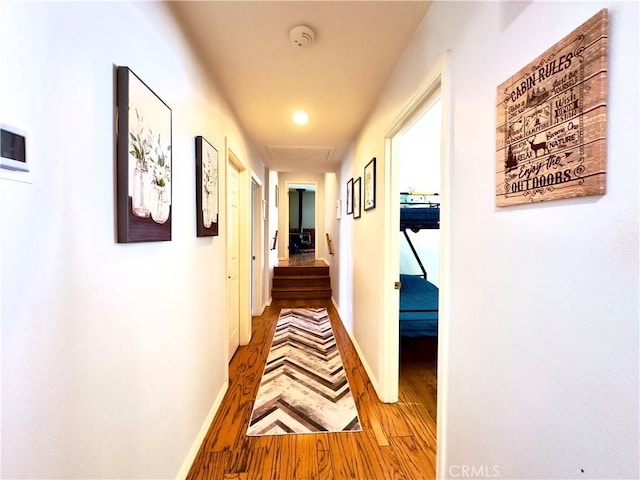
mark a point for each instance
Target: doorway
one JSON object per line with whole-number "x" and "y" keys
{"x": 302, "y": 221}
{"x": 418, "y": 147}
{"x": 436, "y": 85}
{"x": 233, "y": 259}
{"x": 258, "y": 217}
{"x": 238, "y": 251}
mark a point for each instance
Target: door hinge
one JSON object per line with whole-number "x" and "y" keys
{"x": 397, "y": 285}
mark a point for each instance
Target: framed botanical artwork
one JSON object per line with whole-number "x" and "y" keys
{"x": 350, "y": 196}
{"x": 357, "y": 197}
{"x": 207, "y": 188}
{"x": 143, "y": 162}
{"x": 370, "y": 185}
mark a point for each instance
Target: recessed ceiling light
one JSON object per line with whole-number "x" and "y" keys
{"x": 300, "y": 117}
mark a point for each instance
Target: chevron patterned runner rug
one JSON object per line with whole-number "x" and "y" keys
{"x": 304, "y": 388}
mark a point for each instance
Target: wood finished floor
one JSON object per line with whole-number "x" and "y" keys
{"x": 398, "y": 441}
{"x": 308, "y": 258}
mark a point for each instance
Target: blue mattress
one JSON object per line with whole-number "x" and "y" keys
{"x": 420, "y": 217}
{"x": 418, "y": 307}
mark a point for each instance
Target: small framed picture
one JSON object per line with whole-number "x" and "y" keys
{"x": 350, "y": 196}
{"x": 370, "y": 185}
{"x": 357, "y": 197}
{"x": 144, "y": 176}
{"x": 206, "y": 188}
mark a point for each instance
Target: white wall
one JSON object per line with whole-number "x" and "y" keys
{"x": 540, "y": 371}
{"x": 112, "y": 355}
{"x": 272, "y": 228}
{"x": 332, "y": 227}
{"x": 343, "y": 294}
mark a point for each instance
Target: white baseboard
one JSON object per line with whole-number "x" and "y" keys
{"x": 197, "y": 442}
{"x": 367, "y": 369}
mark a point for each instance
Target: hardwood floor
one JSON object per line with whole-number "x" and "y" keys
{"x": 308, "y": 258}
{"x": 398, "y": 441}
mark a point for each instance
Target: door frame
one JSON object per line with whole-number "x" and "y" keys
{"x": 316, "y": 219}
{"x": 244, "y": 246}
{"x": 258, "y": 219}
{"x": 437, "y": 79}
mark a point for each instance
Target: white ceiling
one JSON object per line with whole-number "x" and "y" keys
{"x": 245, "y": 46}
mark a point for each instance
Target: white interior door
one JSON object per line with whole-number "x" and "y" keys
{"x": 258, "y": 216}
{"x": 233, "y": 259}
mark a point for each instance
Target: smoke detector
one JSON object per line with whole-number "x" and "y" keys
{"x": 301, "y": 36}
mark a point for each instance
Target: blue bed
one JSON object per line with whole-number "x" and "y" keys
{"x": 418, "y": 307}
{"x": 418, "y": 296}
{"x": 417, "y": 217}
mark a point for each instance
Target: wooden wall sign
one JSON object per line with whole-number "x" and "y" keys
{"x": 551, "y": 123}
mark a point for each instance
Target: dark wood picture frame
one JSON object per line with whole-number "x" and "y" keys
{"x": 207, "y": 188}
{"x": 143, "y": 162}
{"x": 357, "y": 197}
{"x": 350, "y": 196}
{"x": 370, "y": 185}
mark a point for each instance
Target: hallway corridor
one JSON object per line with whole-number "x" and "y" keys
{"x": 398, "y": 440}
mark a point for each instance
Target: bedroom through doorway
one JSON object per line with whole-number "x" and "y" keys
{"x": 419, "y": 148}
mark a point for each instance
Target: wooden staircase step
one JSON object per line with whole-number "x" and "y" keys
{"x": 282, "y": 293}
{"x": 301, "y": 270}
{"x": 301, "y": 280}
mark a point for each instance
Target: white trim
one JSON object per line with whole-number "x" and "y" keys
{"x": 204, "y": 428}
{"x": 444, "y": 307}
{"x": 257, "y": 265}
{"x": 244, "y": 250}
{"x": 255, "y": 178}
{"x": 438, "y": 79}
{"x": 1, "y": 323}
{"x": 389, "y": 375}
